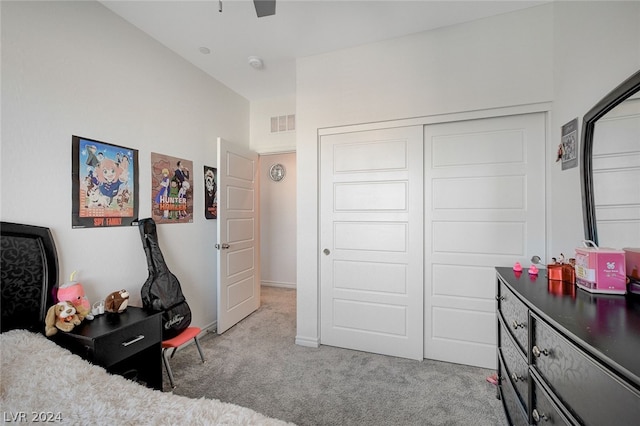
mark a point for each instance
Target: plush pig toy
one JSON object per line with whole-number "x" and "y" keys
{"x": 74, "y": 292}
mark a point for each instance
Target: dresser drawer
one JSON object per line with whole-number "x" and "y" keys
{"x": 516, "y": 415}
{"x": 516, "y": 367}
{"x": 543, "y": 409}
{"x": 515, "y": 315}
{"x": 581, "y": 382}
{"x": 126, "y": 341}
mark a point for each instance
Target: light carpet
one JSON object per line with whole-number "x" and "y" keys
{"x": 42, "y": 381}
{"x": 257, "y": 364}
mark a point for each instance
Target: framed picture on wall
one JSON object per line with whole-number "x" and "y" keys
{"x": 568, "y": 150}
{"x": 104, "y": 184}
{"x": 171, "y": 189}
{"x": 210, "y": 192}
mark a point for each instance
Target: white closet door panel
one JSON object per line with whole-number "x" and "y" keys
{"x": 484, "y": 206}
{"x": 372, "y": 241}
{"x": 489, "y": 147}
{"x": 374, "y": 276}
{"x": 371, "y": 196}
{"x": 384, "y": 155}
{"x": 464, "y": 325}
{"x": 371, "y": 236}
{"x": 377, "y": 318}
{"x": 481, "y": 193}
{"x": 473, "y": 282}
{"x": 479, "y": 238}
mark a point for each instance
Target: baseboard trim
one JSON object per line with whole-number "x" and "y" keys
{"x": 278, "y": 284}
{"x": 307, "y": 342}
{"x": 210, "y": 328}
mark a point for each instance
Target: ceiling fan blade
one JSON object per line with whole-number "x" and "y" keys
{"x": 265, "y": 7}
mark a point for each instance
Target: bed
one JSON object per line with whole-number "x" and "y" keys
{"x": 43, "y": 382}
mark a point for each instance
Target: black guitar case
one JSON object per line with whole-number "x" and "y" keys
{"x": 162, "y": 292}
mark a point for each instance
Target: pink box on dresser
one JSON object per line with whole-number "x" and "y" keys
{"x": 632, "y": 261}
{"x": 601, "y": 270}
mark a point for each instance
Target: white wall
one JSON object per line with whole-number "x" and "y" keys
{"x": 526, "y": 57}
{"x": 597, "y": 46}
{"x": 277, "y": 200}
{"x": 278, "y": 222}
{"x": 262, "y": 139}
{"x": 75, "y": 68}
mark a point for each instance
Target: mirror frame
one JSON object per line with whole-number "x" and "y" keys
{"x": 618, "y": 95}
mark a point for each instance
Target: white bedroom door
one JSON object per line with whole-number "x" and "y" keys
{"x": 485, "y": 207}
{"x": 238, "y": 246}
{"x": 371, "y": 185}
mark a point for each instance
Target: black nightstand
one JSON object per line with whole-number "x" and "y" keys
{"x": 129, "y": 344}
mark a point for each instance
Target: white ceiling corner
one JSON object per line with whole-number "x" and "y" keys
{"x": 299, "y": 28}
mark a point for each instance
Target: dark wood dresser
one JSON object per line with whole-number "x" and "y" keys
{"x": 566, "y": 356}
{"x": 129, "y": 344}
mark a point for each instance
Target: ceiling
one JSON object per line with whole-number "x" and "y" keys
{"x": 299, "y": 28}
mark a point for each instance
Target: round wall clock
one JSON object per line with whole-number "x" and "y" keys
{"x": 277, "y": 172}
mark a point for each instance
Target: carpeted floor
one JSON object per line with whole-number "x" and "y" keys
{"x": 256, "y": 364}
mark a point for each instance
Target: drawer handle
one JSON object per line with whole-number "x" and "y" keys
{"x": 134, "y": 340}
{"x": 537, "y": 416}
{"x": 515, "y": 377}
{"x": 517, "y": 325}
{"x": 537, "y": 352}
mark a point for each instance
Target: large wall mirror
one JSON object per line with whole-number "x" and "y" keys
{"x": 610, "y": 168}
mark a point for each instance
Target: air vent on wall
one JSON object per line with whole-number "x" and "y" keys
{"x": 283, "y": 123}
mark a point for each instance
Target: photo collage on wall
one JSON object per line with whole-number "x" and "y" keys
{"x": 171, "y": 189}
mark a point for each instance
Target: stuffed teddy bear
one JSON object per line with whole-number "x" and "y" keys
{"x": 74, "y": 292}
{"x": 61, "y": 316}
{"x": 117, "y": 301}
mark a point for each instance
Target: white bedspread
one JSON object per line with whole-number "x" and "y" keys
{"x": 39, "y": 378}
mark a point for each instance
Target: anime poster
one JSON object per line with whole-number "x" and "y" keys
{"x": 210, "y": 192}
{"x": 104, "y": 184}
{"x": 171, "y": 189}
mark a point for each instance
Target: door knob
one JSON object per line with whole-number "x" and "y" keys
{"x": 327, "y": 252}
{"x": 222, "y": 246}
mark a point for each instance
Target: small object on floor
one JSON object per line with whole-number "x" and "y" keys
{"x": 493, "y": 379}
{"x": 517, "y": 267}
{"x": 533, "y": 270}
